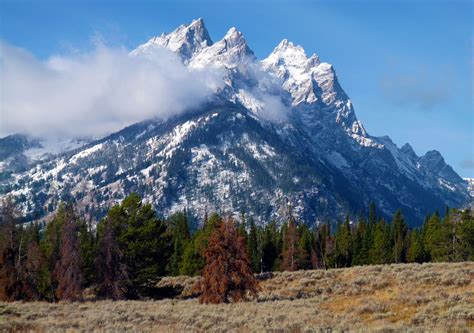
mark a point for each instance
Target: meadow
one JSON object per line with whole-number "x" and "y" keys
{"x": 386, "y": 298}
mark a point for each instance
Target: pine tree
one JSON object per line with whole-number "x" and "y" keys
{"x": 369, "y": 234}
{"x": 88, "y": 248}
{"x": 30, "y": 264}
{"x": 68, "y": 268}
{"x": 290, "y": 247}
{"x": 269, "y": 247}
{"x": 360, "y": 248}
{"x": 344, "y": 244}
{"x": 252, "y": 246}
{"x": 461, "y": 225}
{"x": 193, "y": 257}
{"x": 144, "y": 241}
{"x": 399, "y": 232}
{"x": 305, "y": 248}
{"x": 181, "y": 235}
{"x": 317, "y": 260}
{"x": 279, "y": 243}
{"x": 36, "y": 275}
{"x": 436, "y": 239}
{"x": 241, "y": 227}
{"x": 372, "y": 214}
{"x": 381, "y": 251}
{"x": 327, "y": 246}
{"x": 416, "y": 251}
{"x": 51, "y": 241}
{"x": 193, "y": 262}
{"x": 112, "y": 272}
{"x": 227, "y": 275}
{"x": 11, "y": 284}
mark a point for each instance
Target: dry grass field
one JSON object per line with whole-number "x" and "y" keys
{"x": 409, "y": 297}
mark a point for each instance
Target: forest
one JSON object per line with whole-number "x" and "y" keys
{"x": 131, "y": 248}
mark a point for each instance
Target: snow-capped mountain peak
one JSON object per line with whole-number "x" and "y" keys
{"x": 314, "y": 83}
{"x": 290, "y": 63}
{"x": 186, "y": 40}
{"x": 287, "y": 57}
{"x": 290, "y": 54}
{"x": 233, "y": 34}
{"x": 231, "y": 51}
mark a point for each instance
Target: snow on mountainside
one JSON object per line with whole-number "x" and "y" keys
{"x": 278, "y": 131}
{"x": 18, "y": 152}
{"x": 185, "y": 40}
{"x": 470, "y": 186}
{"x": 311, "y": 82}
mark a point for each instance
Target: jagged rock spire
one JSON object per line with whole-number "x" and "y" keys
{"x": 186, "y": 40}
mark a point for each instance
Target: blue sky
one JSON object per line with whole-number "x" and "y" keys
{"x": 407, "y": 65}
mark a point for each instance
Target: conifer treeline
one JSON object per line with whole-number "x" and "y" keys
{"x": 131, "y": 248}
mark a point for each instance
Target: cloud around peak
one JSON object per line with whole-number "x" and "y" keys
{"x": 97, "y": 92}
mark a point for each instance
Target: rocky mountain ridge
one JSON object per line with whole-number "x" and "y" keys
{"x": 279, "y": 137}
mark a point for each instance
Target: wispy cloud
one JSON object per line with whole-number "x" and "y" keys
{"x": 418, "y": 88}
{"x": 96, "y": 92}
{"x": 467, "y": 164}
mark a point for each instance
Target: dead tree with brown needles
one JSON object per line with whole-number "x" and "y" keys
{"x": 68, "y": 268}
{"x": 227, "y": 275}
{"x": 112, "y": 275}
{"x": 11, "y": 283}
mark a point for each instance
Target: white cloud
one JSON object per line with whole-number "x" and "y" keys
{"x": 271, "y": 95}
{"x": 94, "y": 93}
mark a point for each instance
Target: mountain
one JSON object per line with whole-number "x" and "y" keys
{"x": 279, "y": 136}
{"x": 19, "y": 152}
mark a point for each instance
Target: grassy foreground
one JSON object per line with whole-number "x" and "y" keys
{"x": 428, "y": 297}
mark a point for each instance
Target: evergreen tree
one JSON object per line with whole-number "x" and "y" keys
{"x": 290, "y": 247}
{"x": 360, "y": 246}
{"x": 144, "y": 241}
{"x": 279, "y": 242}
{"x": 227, "y": 275}
{"x": 344, "y": 244}
{"x": 112, "y": 273}
{"x": 327, "y": 246}
{"x": 269, "y": 247}
{"x": 369, "y": 234}
{"x": 416, "y": 251}
{"x": 381, "y": 251}
{"x": 31, "y": 268}
{"x": 436, "y": 239}
{"x": 252, "y": 246}
{"x": 51, "y": 241}
{"x": 88, "y": 248}
{"x": 35, "y": 273}
{"x": 193, "y": 261}
{"x": 241, "y": 227}
{"x": 399, "y": 232}
{"x": 181, "y": 235}
{"x": 372, "y": 214}
{"x": 464, "y": 233}
{"x": 11, "y": 284}
{"x": 317, "y": 261}
{"x": 305, "y": 248}
{"x": 193, "y": 257}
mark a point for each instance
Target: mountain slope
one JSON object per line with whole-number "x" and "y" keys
{"x": 281, "y": 134}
